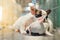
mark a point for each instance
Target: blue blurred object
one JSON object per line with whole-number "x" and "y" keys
{"x": 34, "y": 1}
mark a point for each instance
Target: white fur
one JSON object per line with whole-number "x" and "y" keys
{"x": 49, "y": 25}
{"x": 48, "y": 22}
{"x": 21, "y": 22}
{"x": 40, "y": 27}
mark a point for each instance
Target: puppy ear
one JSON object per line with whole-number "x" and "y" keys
{"x": 48, "y": 11}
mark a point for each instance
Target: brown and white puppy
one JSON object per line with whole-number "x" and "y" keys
{"x": 47, "y": 22}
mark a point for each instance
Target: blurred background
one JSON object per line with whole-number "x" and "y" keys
{"x": 11, "y": 10}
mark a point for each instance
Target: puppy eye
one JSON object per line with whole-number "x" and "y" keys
{"x": 38, "y": 15}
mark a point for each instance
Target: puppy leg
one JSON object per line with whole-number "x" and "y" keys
{"x": 48, "y": 33}
{"x": 30, "y": 31}
{"x": 17, "y": 30}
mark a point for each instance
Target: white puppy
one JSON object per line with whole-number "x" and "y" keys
{"x": 23, "y": 21}
{"x": 20, "y": 23}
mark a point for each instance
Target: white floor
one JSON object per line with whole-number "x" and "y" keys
{"x": 9, "y": 35}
